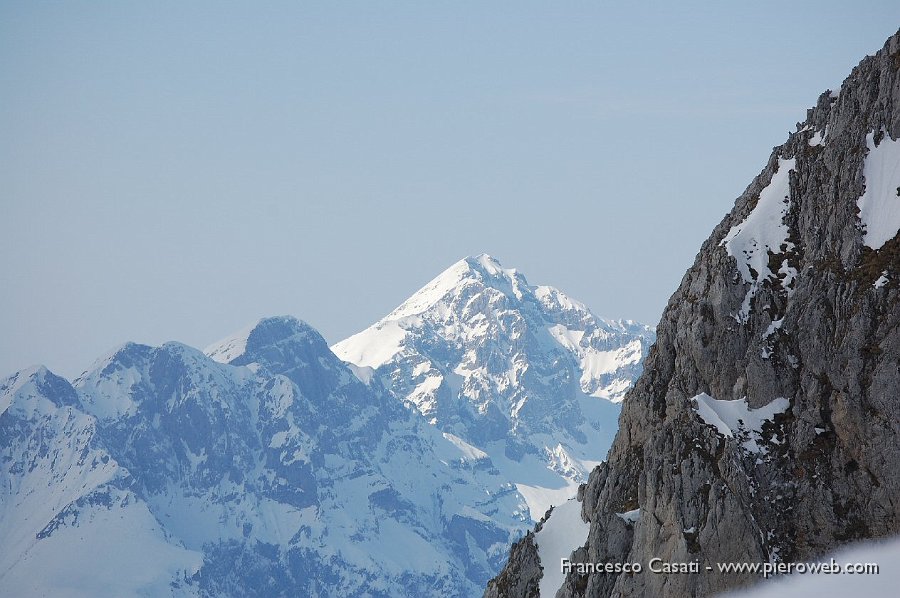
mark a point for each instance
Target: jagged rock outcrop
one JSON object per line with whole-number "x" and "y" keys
{"x": 521, "y": 575}
{"x": 765, "y": 426}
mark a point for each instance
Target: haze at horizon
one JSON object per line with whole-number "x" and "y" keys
{"x": 175, "y": 172}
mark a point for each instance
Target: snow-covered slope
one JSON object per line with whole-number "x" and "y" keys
{"x": 277, "y": 473}
{"x": 70, "y": 522}
{"x": 523, "y": 373}
{"x": 848, "y": 575}
{"x": 559, "y": 536}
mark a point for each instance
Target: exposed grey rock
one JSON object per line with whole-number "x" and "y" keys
{"x": 523, "y": 573}
{"x": 828, "y": 473}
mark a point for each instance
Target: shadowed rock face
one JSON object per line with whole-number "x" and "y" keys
{"x": 811, "y": 317}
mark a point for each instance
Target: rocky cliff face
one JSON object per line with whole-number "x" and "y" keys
{"x": 765, "y": 425}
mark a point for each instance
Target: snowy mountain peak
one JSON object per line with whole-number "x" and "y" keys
{"x": 250, "y": 344}
{"x": 476, "y": 300}
{"x": 490, "y": 267}
{"x": 36, "y": 381}
{"x": 480, "y": 271}
{"x": 30, "y": 375}
{"x": 130, "y": 355}
{"x": 524, "y": 374}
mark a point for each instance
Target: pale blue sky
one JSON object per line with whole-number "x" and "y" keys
{"x": 174, "y": 171}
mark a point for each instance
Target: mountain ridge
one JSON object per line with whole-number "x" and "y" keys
{"x": 278, "y": 473}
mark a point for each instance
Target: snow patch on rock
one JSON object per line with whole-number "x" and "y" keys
{"x": 763, "y": 231}
{"x": 735, "y": 419}
{"x": 630, "y": 517}
{"x": 879, "y": 205}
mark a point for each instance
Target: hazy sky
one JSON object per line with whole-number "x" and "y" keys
{"x": 176, "y": 170}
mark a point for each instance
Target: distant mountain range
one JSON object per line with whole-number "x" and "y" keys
{"x": 267, "y": 466}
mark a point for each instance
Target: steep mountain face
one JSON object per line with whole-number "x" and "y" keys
{"x": 274, "y": 473}
{"x": 765, "y": 427}
{"x": 525, "y": 374}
